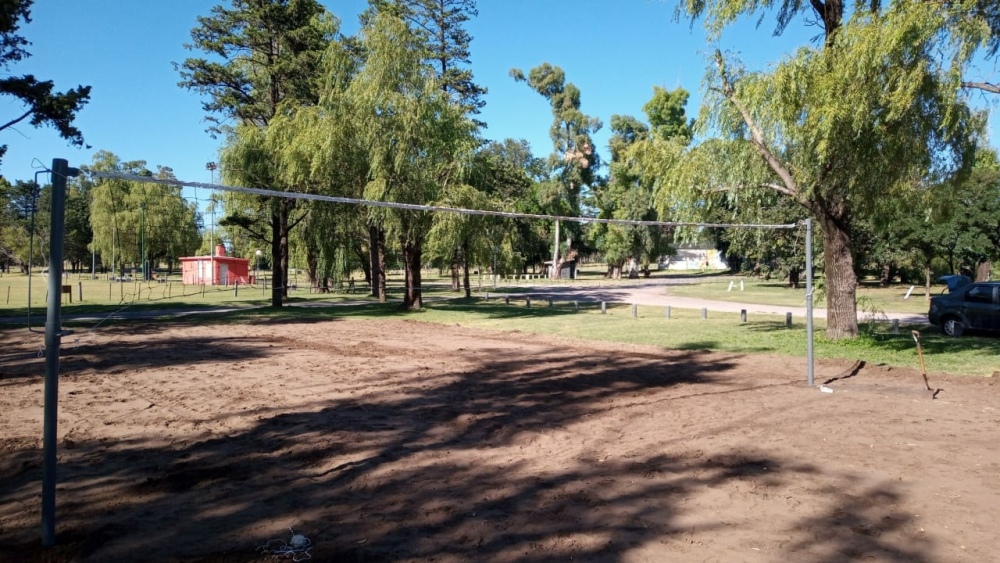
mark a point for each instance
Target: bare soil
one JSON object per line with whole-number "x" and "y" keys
{"x": 402, "y": 441}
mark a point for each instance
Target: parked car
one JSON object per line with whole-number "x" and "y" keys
{"x": 968, "y": 305}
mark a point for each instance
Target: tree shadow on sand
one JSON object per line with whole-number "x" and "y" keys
{"x": 435, "y": 467}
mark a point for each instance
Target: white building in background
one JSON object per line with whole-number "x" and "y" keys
{"x": 694, "y": 259}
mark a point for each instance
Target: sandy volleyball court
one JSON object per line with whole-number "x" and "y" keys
{"x": 402, "y": 441}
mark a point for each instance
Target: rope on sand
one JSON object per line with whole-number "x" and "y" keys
{"x": 298, "y": 547}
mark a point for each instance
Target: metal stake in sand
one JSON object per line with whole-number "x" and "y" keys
{"x": 920, "y": 353}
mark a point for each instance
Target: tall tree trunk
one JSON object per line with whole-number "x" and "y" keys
{"x": 366, "y": 262}
{"x": 841, "y": 282}
{"x": 927, "y": 282}
{"x": 412, "y": 251}
{"x": 456, "y": 282}
{"x": 283, "y": 246}
{"x": 983, "y": 271}
{"x": 376, "y": 250}
{"x": 465, "y": 268}
{"x": 312, "y": 263}
{"x": 886, "y": 276}
{"x": 277, "y": 272}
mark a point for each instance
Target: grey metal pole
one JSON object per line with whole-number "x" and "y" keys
{"x": 53, "y": 336}
{"x": 810, "y": 379}
{"x": 555, "y": 252}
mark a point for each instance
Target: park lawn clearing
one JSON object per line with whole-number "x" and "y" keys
{"x": 397, "y": 440}
{"x": 871, "y": 297}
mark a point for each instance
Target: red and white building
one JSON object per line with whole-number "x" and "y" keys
{"x": 215, "y": 270}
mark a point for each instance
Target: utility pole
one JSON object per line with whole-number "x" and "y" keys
{"x": 555, "y": 253}
{"x": 143, "y": 237}
{"x": 211, "y": 244}
{"x": 211, "y": 167}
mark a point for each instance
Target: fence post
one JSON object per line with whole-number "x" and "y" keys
{"x": 79, "y": 287}
{"x": 487, "y": 296}
{"x": 604, "y": 308}
{"x": 527, "y": 301}
{"x": 667, "y": 312}
{"x": 704, "y": 313}
{"x": 743, "y": 315}
{"x": 236, "y": 289}
{"x": 576, "y": 304}
{"x": 635, "y": 310}
{"x": 788, "y": 319}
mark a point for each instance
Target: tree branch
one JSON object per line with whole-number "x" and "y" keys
{"x": 985, "y": 86}
{"x": 768, "y": 185}
{"x": 17, "y": 120}
{"x": 757, "y": 138}
{"x": 295, "y": 223}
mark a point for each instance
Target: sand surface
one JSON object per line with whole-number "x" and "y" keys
{"x": 401, "y": 441}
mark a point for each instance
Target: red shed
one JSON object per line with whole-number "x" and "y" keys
{"x": 215, "y": 270}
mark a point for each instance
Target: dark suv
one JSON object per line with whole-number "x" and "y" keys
{"x": 967, "y": 306}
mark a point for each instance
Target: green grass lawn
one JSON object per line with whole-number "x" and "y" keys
{"x": 870, "y": 297}
{"x": 969, "y": 355}
{"x": 685, "y": 330}
{"x": 102, "y": 295}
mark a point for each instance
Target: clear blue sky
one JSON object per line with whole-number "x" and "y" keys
{"x": 615, "y": 51}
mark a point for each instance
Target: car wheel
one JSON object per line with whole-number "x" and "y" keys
{"x": 952, "y": 327}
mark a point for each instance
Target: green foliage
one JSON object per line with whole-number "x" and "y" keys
{"x": 844, "y": 130}
{"x": 439, "y": 29}
{"x": 17, "y": 203}
{"x": 575, "y": 160}
{"x": 270, "y": 52}
{"x": 418, "y": 141}
{"x": 267, "y": 55}
{"x": 122, "y": 212}
{"x": 629, "y": 193}
{"x": 40, "y": 104}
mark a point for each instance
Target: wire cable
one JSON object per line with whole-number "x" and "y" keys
{"x": 420, "y": 207}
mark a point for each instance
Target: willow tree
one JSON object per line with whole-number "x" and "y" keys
{"x": 629, "y": 191}
{"x": 439, "y": 27}
{"x": 264, "y": 54}
{"x": 135, "y": 222}
{"x": 321, "y": 149}
{"x": 574, "y": 161}
{"x": 417, "y": 139}
{"x": 507, "y": 173}
{"x": 470, "y": 236}
{"x": 842, "y": 129}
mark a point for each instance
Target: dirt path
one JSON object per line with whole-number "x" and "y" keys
{"x": 400, "y": 441}
{"x": 657, "y": 292}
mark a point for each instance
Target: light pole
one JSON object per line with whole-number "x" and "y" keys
{"x": 211, "y": 167}
{"x": 142, "y": 258}
{"x": 256, "y": 266}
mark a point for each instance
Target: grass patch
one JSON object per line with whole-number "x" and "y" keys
{"x": 685, "y": 330}
{"x": 888, "y": 299}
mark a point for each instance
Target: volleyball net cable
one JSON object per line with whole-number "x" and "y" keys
{"x": 130, "y": 298}
{"x": 425, "y": 207}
